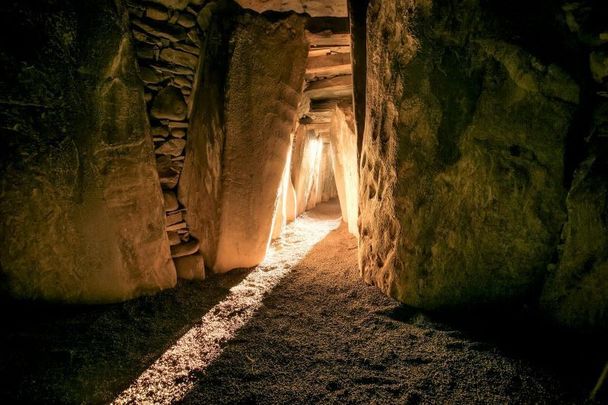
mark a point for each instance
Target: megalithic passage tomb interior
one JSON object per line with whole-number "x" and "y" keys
{"x": 304, "y": 201}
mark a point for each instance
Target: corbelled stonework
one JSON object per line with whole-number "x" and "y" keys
{"x": 168, "y": 44}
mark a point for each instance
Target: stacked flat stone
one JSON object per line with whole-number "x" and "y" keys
{"x": 167, "y": 44}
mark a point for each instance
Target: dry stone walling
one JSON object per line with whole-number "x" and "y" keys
{"x": 168, "y": 42}
{"x": 86, "y": 219}
{"x": 225, "y": 150}
{"x": 471, "y": 116}
{"x": 81, "y": 203}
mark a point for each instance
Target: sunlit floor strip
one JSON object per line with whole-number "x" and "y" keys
{"x": 174, "y": 374}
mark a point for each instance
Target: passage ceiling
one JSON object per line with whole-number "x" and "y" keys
{"x": 315, "y": 8}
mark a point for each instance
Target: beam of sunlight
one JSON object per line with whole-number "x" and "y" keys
{"x": 174, "y": 374}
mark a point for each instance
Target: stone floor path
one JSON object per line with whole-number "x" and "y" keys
{"x": 300, "y": 328}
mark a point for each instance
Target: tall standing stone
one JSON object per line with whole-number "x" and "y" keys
{"x": 263, "y": 88}
{"x": 263, "y": 92}
{"x": 200, "y": 184}
{"x": 82, "y": 209}
{"x": 461, "y": 188}
{"x": 344, "y": 160}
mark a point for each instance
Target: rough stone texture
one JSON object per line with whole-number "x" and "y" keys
{"x": 200, "y": 184}
{"x": 315, "y": 8}
{"x": 179, "y": 58}
{"x": 160, "y": 31}
{"x": 170, "y": 201}
{"x": 174, "y": 217}
{"x": 168, "y": 171}
{"x": 174, "y": 238}
{"x": 81, "y": 203}
{"x": 169, "y": 104}
{"x": 301, "y": 166}
{"x": 149, "y": 76}
{"x": 263, "y": 90}
{"x": 285, "y": 205}
{"x": 286, "y": 210}
{"x": 279, "y": 219}
{"x": 462, "y": 163}
{"x": 598, "y": 62}
{"x": 326, "y": 179}
{"x": 345, "y": 166}
{"x": 575, "y": 293}
{"x": 173, "y": 147}
{"x": 168, "y": 57}
{"x": 173, "y": 4}
{"x": 156, "y": 13}
{"x": 191, "y": 267}
{"x": 291, "y": 208}
{"x": 185, "y": 249}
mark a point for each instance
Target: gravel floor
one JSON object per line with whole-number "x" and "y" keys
{"x": 324, "y": 336}
{"x": 321, "y": 335}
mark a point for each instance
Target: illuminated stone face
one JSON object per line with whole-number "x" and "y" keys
{"x": 462, "y": 192}
{"x": 345, "y": 166}
{"x": 82, "y": 206}
{"x": 306, "y": 157}
{"x": 266, "y": 72}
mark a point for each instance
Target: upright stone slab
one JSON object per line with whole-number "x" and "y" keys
{"x": 263, "y": 92}
{"x": 316, "y": 157}
{"x": 327, "y": 180}
{"x": 305, "y": 155}
{"x": 576, "y": 292}
{"x": 82, "y": 209}
{"x": 233, "y": 171}
{"x": 285, "y": 205}
{"x": 345, "y": 165}
{"x": 461, "y": 191}
{"x": 200, "y": 184}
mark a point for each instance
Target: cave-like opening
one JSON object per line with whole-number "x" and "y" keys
{"x": 344, "y": 201}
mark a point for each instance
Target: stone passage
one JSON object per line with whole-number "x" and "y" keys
{"x": 168, "y": 45}
{"x": 324, "y": 157}
{"x": 170, "y": 379}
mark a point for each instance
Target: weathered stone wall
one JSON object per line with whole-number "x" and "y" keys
{"x": 200, "y": 184}
{"x": 304, "y": 158}
{"x": 286, "y": 200}
{"x": 241, "y": 115}
{"x": 327, "y": 180}
{"x": 312, "y": 170}
{"x": 262, "y": 94}
{"x": 576, "y": 291}
{"x": 168, "y": 43}
{"x": 81, "y": 206}
{"x": 471, "y": 137}
{"x": 345, "y": 165}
